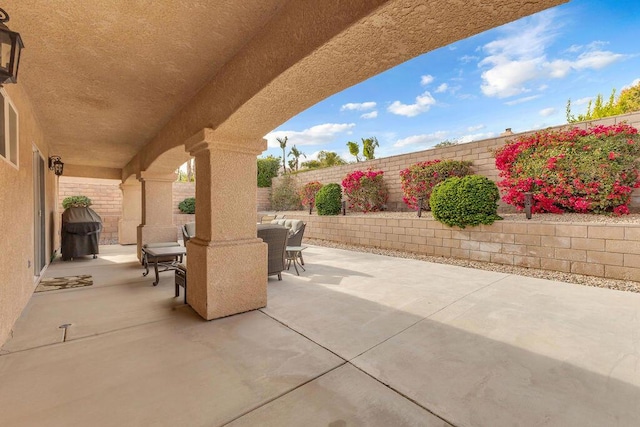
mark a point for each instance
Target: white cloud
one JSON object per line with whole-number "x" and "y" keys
{"x": 582, "y": 101}
{"x": 425, "y": 80}
{"x": 371, "y": 115}
{"x": 522, "y": 100}
{"x": 466, "y": 96}
{"x": 475, "y": 137}
{"x": 358, "y": 106}
{"x": 543, "y": 87}
{"x": 517, "y": 59}
{"x": 422, "y": 105}
{"x": 442, "y": 88}
{"x": 425, "y": 139}
{"x": 468, "y": 58}
{"x": 546, "y": 112}
{"x": 475, "y": 128}
{"x": 315, "y": 135}
{"x": 633, "y": 83}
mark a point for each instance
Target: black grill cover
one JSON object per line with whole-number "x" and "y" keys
{"x": 81, "y": 229}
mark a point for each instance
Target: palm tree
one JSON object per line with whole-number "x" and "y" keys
{"x": 283, "y": 145}
{"x": 369, "y": 147}
{"x": 296, "y": 155}
{"x": 354, "y": 149}
{"x": 330, "y": 158}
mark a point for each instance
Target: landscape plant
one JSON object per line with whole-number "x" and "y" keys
{"x": 575, "y": 170}
{"x": 267, "y": 169}
{"x": 188, "y": 205}
{"x": 470, "y": 200}
{"x": 76, "y": 202}
{"x": 329, "y": 199}
{"x": 366, "y": 191}
{"x": 419, "y": 179}
{"x": 308, "y": 193}
{"x": 284, "y": 195}
{"x": 627, "y": 102}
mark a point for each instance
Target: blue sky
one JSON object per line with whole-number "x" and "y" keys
{"x": 516, "y": 76}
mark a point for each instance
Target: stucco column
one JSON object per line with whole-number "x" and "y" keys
{"x": 156, "y": 223}
{"x": 226, "y": 262}
{"x": 131, "y": 213}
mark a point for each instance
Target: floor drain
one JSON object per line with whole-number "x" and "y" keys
{"x": 64, "y": 327}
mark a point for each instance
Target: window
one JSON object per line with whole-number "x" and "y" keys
{"x": 8, "y": 130}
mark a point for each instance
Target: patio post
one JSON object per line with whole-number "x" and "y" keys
{"x": 157, "y": 209}
{"x": 226, "y": 262}
{"x": 131, "y": 213}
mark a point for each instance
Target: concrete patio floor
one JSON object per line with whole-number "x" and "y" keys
{"x": 357, "y": 339}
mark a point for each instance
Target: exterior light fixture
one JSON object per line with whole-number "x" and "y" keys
{"x": 56, "y": 165}
{"x": 528, "y": 202}
{"x": 10, "y": 47}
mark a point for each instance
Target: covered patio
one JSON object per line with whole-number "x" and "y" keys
{"x": 357, "y": 339}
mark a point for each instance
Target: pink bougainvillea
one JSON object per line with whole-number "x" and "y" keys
{"x": 308, "y": 193}
{"x": 419, "y": 179}
{"x": 366, "y": 191}
{"x": 576, "y": 170}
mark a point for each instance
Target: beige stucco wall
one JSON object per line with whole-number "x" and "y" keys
{"x": 480, "y": 153}
{"x": 16, "y": 215}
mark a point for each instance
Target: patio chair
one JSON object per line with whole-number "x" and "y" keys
{"x": 188, "y": 231}
{"x": 275, "y": 236}
{"x": 295, "y": 239}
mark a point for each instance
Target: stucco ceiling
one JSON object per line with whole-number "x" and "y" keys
{"x": 104, "y": 76}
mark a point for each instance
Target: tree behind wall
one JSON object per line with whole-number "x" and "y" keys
{"x": 627, "y": 102}
{"x": 267, "y": 169}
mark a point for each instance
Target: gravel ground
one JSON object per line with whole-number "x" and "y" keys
{"x": 622, "y": 285}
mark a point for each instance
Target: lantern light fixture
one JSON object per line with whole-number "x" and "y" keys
{"x": 56, "y": 165}
{"x": 10, "y": 48}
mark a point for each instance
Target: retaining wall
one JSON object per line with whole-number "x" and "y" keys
{"x": 595, "y": 249}
{"x": 107, "y": 202}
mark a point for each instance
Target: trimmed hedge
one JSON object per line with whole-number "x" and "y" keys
{"x": 329, "y": 199}
{"x": 188, "y": 205}
{"x": 470, "y": 200}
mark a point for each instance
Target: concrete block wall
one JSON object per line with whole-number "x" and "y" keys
{"x": 481, "y": 153}
{"x": 107, "y": 202}
{"x": 264, "y": 199}
{"x": 106, "y": 197}
{"x": 181, "y": 191}
{"x": 594, "y": 249}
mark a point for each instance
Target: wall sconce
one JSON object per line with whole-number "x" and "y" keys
{"x": 10, "y": 47}
{"x": 56, "y": 165}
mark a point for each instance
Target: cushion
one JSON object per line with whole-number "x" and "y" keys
{"x": 292, "y": 224}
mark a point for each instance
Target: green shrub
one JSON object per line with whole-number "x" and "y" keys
{"x": 470, "y": 200}
{"x": 329, "y": 199}
{"x": 267, "y": 169}
{"x": 76, "y": 202}
{"x": 419, "y": 179}
{"x": 284, "y": 195}
{"x": 188, "y": 205}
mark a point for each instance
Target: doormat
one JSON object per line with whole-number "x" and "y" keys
{"x": 55, "y": 283}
